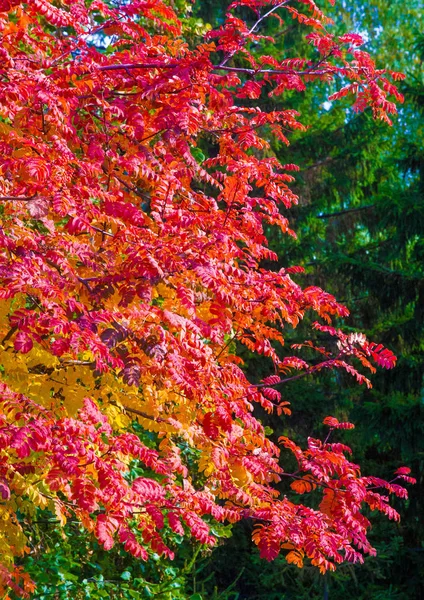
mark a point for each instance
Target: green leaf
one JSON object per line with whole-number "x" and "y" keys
{"x": 148, "y": 592}
{"x": 197, "y": 154}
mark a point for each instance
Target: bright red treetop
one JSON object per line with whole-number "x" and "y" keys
{"x": 130, "y": 264}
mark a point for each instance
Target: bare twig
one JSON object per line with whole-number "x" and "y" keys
{"x": 140, "y": 413}
{"x": 16, "y": 198}
{"x": 267, "y": 14}
{"x": 252, "y": 29}
{"x": 345, "y": 211}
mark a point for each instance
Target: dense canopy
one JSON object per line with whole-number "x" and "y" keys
{"x": 137, "y": 184}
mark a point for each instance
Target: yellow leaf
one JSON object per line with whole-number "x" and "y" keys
{"x": 38, "y": 356}
{"x": 117, "y": 418}
{"x": 74, "y": 397}
{"x": 205, "y": 465}
{"x": 239, "y": 473}
{"x": 5, "y": 129}
{"x": 165, "y": 291}
{"x": 59, "y": 510}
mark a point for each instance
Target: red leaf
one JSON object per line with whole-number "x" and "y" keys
{"x": 403, "y": 471}
{"x": 335, "y": 423}
{"x": 148, "y": 489}
{"x": 105, "y": 529}
{"x": 84, "y": 493}
{"x": 4, "y": 491}
{"x": 23, "y": 343}
{"x": 210, "y": 427}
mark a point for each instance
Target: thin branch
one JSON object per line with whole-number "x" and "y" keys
{"x": 102, "y": 231}
{"x": 231, "y": 204}
{"x": 126, "y": 66}
{"x": 252, "y": 29}
{"x": 319, "y": 163}
{"x": 145, "y": 415}
{"x": 16, "y": 198}
{"x": 153, "y": 135}
{"x": 314, "y": 369}
{"x": 267, "y": 14}
{"x": 232, "y": 338}
{"x": 131, "y": 188}
{"x": 68, "y": 363}
{"x": 285, "y": 380}
{"x": 271, "y": 71}
{"x": 9, "y": 334}
{"x": 345, "y": 211}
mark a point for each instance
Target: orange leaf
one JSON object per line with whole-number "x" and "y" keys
{"x": 303, "y": 486}
{"x": 295, "y": 557}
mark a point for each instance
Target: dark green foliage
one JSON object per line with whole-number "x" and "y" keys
{"x": 72, "y": 566}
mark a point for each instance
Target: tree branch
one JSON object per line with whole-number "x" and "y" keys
{"x": 126, "y": 66}
{"x": 267, "y": 14}
{"x": 344, "y": 212}
{"x": 251, "y": 30}
{"x": 16, "y": 198}
{"x": 145, "y": 415}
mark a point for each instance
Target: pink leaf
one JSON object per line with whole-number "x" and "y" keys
{"x": 23, "y": 343}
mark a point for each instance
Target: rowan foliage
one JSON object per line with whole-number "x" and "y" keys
{"x": 130, "y": 265}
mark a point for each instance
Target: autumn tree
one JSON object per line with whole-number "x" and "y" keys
{"x": 131, "y": 265}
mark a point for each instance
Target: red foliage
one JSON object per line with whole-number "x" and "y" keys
{"x": 130, "y": 265}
